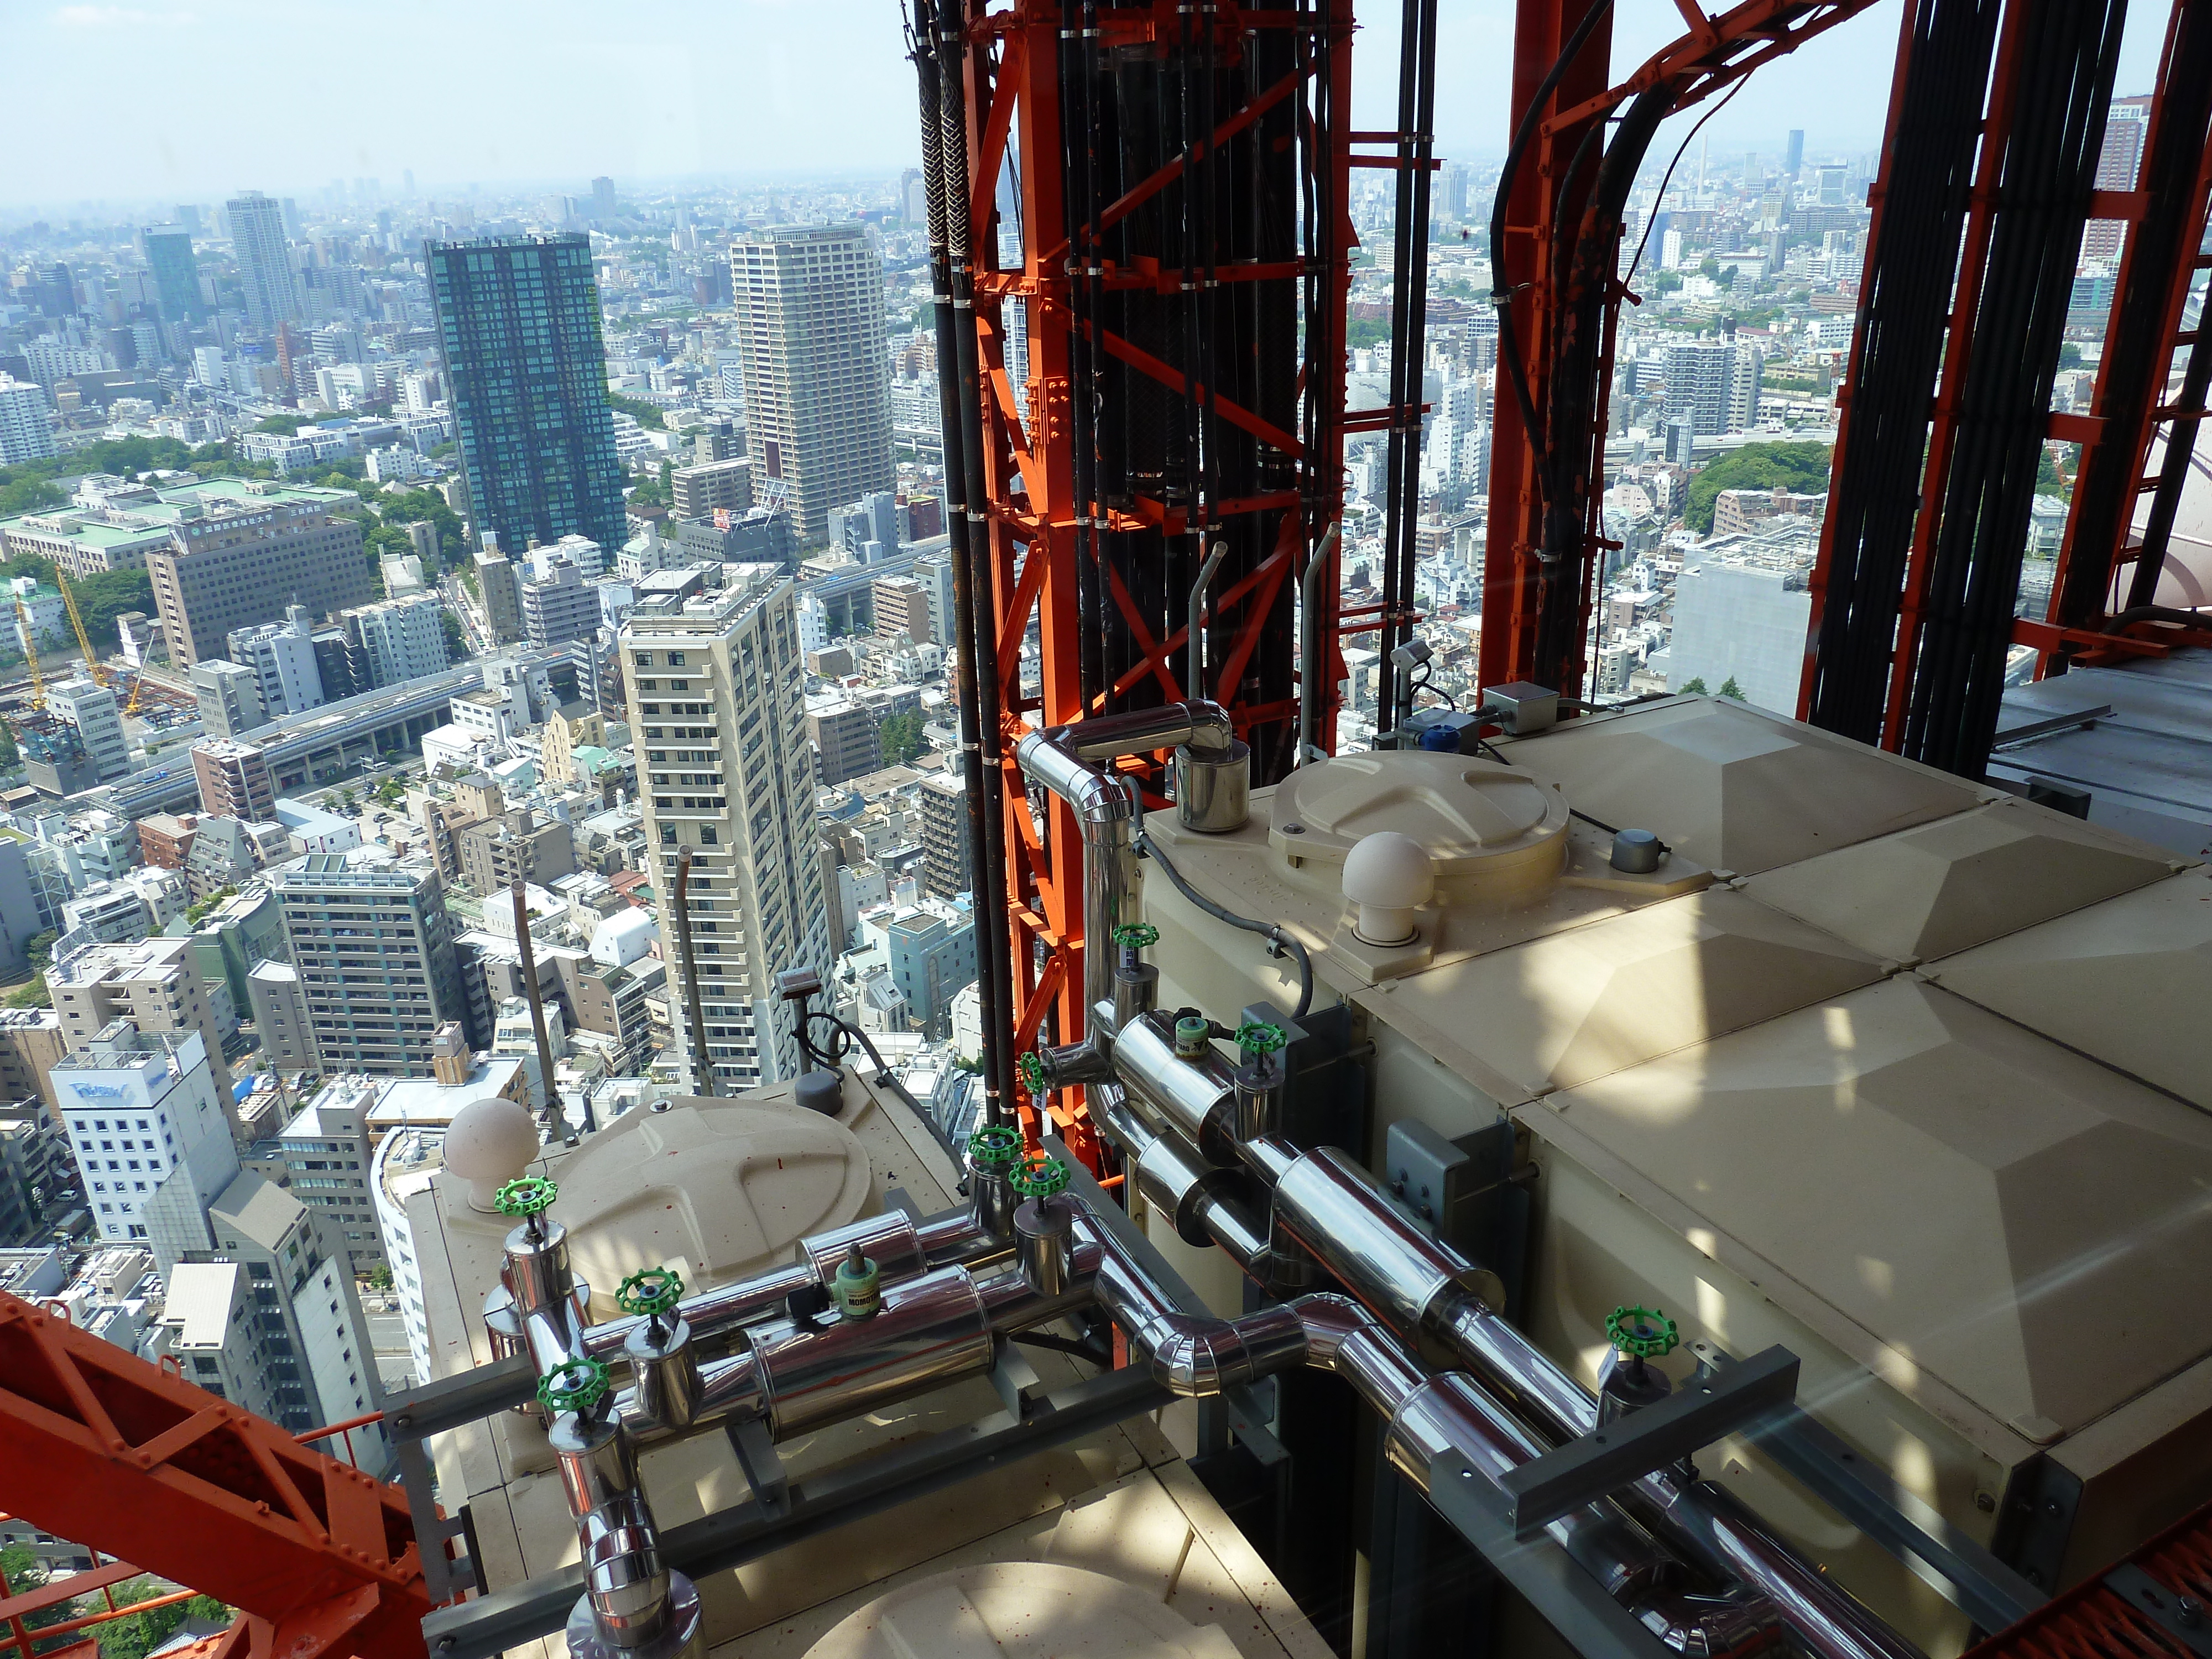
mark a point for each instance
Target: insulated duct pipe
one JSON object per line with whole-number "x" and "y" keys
{"x": 1198, "y": 1356}
{"x": 634, "y": 1603}
{"x": 1311, "y": 675}
{"x": 1332, "y": 1208}
{"x": 1073, "y": 762}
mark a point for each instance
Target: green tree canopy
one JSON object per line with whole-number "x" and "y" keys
{"x": 1731, "y": 688}
{"x": 119, "y": 455}
{"x": 30, "y": 496}
{"x": 103, "y": 597}
{"x": 901, "y": 738}
{"x": 1694, "y": 686}
{"x": 645, "y": 414}
{"x": 1801, "y": 467}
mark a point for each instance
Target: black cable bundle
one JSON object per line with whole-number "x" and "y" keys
{"x": 1903, "y": 309}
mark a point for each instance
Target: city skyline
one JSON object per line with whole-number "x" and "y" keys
{"x": 740, "y": 106}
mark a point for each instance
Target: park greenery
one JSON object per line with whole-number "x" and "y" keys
{"x": 1798, "y": 467}
{"x": 645, "y": 414}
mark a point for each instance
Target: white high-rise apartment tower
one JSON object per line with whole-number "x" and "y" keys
{"x": 810, "y": 305}
{"x": 725, "y": 771}
{"x": 265, "y": 259}
{"x": 26, "y": 433}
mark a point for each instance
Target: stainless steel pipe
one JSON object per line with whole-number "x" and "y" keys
{"x": 1195, "y": 1096}
{"x": 1067, "y": 761}
{"x": 1332, "y": 1207}
{"x": 908, "y": 1248}
{"x": 629, "y": 1603}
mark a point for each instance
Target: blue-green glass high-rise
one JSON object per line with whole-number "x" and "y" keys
{"x": 518, "y": 325}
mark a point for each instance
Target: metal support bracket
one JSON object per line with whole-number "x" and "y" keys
{"x": 1021, "y": 1390}
{"x": 763, "y": 1469}
{"x": 442, "y": 1578}
{"x": 2035, "y": 1520}
{"x": 2181, "y": 1617}
{"x": 1591, "y": 1623}
{"x": 1615, "y": 1453}
{"x": 1861, "y": 1492}
{"x": 450, "y": 1402}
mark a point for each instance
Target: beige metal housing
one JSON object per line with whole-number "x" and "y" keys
{"x": 1892, "y": 1070}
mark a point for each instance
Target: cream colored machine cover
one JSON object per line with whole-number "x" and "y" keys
{"x": 1960, "y": 881}
{"x": 1019, "y": 1610}
{"x": 714, "y": 1188}
{"x": 1574, "y": 1005}
{"x": 2130, "y": 981}
{"x": 1991, "y": 1223}
{"x": 1736, "y": 789}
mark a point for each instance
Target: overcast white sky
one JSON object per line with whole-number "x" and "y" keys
{"x": 163, "y": 100}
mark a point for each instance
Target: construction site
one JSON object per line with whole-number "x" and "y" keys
{"x": 1626, "y": 1176}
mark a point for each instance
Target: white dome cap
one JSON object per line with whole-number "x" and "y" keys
{"x": 488, "y": 1143}
{"x": 1389, "y": 876}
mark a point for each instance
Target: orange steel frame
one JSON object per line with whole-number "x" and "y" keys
{"x": 1713, "y": 54}
{"x": 1030, "y": 547}
{"x": 99, "y": 1445}
{"x": 2130, "y": 427}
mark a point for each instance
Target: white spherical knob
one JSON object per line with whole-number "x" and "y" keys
{"x": 1389, "y": 876}
{"x": 488, "y": 1143}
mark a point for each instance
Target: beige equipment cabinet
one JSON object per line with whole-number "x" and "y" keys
{"x": 1901, "y": 1072}
{"x": 724, "y": 1188}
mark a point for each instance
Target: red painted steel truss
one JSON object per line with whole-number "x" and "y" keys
{"x": 1033, "y": 544}
{"x": 99, "y": 1445}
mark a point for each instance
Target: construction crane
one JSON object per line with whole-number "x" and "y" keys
{"x": 100, "y": 676}
{"x": 31, "y": 655}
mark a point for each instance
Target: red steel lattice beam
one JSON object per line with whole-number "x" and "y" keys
{"x": 129, "y": 1458}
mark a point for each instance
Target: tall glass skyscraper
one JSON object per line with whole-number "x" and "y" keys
{"x": 168, "y": 253}
{"x": 519, "y": 325}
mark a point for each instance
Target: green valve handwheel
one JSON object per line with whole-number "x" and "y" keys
{"x": 1257, "y": 1037}
{"x": 650, "y": 1291}
{"x": 1641, "y": 1333}
{"x": 1032, "y": 1071}
{"x": 527, "y": 1195}
{"x": 1038, "y": 1175}
{"x": 575, "y": 1386}
{"x": 1136, "y": 935}
{"x": 993, "y": 1146}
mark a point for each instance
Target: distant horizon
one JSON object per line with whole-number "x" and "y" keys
{"x": 151, "y": 210}
{"x": 823, "y": 82}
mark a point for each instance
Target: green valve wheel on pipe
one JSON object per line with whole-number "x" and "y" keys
{"x": 1136, "y": 935}
{"x": 1040, "y": 1175}
{"x": 576, "y": 1385}
{"x": 1257, "y": 1037}
{"x": 1031, "y": 1067}
{"x": 993, "y": 1146}
{"x": 527, "y": 1195}
{"x": 1641, "y": 1333}
{"x": 650, "y": 1293}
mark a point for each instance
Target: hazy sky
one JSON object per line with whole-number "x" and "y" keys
{"x": 162, "y": 101}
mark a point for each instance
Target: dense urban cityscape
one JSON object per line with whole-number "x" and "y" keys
{"x": 404, "y": 589}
